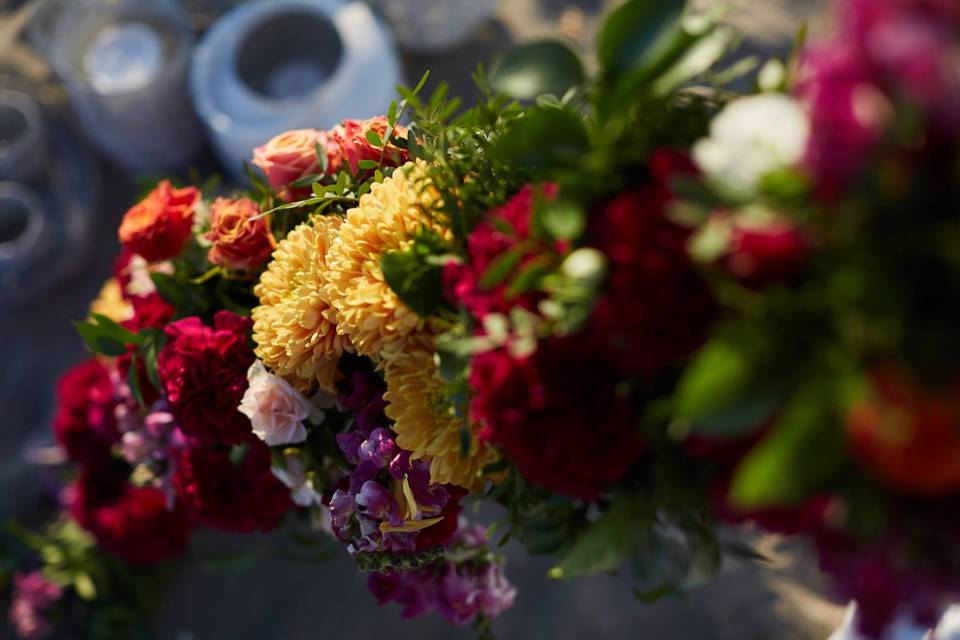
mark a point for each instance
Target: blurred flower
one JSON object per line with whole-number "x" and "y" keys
{"x": 204, "y": 373}
{"x": 371, "y": 314}
{"x": 906, "y": 435}
{"x": 751, "y": 138}
{"x": 232, "y": 489}
{"x": 159, "y": 226}
{"x": 33, "y": 598}
{"x": 502, "y": 230}
{"x": 239, "y": 240}
{"x": 111, "y": 303}
{"x": 351, "y": 136}
{"x": 134, "y": 523}
{"x": 295, "y": 325}
{"x": 292, "y": 156}
{"x": 425, "y": 420}
{"x": 557, "y": 414}
{"x": 276, "y": 410}
{"x": 151, "y": 446}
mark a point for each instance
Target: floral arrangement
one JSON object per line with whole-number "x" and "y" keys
{"x": 632, "y": 309}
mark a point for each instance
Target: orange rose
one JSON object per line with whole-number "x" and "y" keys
{"x": 292, "y": 156}
{"x": 351, "y": 136}
{"x": 239, "y": 241}
{"x": 158, "y": 226}
{"x": 908, "y": 436}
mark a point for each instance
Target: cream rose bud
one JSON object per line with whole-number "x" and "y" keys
{"x": 294, "y": 476}
{"x": 276, "y": 410}
{"x": 751, "y": 138}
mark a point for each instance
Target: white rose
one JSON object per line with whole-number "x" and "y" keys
{"x": 751, "y": 138}
{"x": 276, "y": 410}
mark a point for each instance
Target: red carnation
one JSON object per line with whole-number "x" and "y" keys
{"x": 84, "y": 423}
{"x": 149, "y": 312}
{"x": 501, "y": 231}
{"x": 220, "y": 490}
{"x": 557, "y": 414}
{"x": 133, "y": 523}
{"x": 159, "y": 225}
{"x": 204, "y": 372}
{"x": 655, "y": 309}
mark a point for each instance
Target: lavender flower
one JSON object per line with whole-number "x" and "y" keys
{"x": 386, "y": 500}
{"x": 468, "y": 583}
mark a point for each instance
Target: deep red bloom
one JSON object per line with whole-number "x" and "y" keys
{"x": 761, "y": 255}
{"x": 133, "y": 523}
{"x": 204, "y": 372}
{"x": 239, "y": 496}
{"x": 655, "y": 309}
{"x": 84, "y": 423}
{"x": 557, "y": 414}
{"x": 501, "y": 231}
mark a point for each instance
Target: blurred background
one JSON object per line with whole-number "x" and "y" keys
{"x": 99, "y": 98}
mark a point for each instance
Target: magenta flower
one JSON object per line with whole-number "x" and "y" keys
{"x": 33, "y": 598}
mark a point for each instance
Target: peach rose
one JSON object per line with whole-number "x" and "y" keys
{"x": 239, "y": 240}
{"x": 351, "y": 137}
{"x": 158, "y": 226}
{"x": 292, "y": 156}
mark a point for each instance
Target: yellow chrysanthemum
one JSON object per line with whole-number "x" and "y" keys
{"x": 425, "y": 421}
{"x": 386, "y": 220}
{"x": 111, "y": 303}
{"x": 295, "y": 327}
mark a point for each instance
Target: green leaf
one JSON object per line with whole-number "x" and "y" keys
{"x": 84, "y": 586}
{"x": 529, "y": 276}
{"x": 501, "y": 268}
{"x": 368, "y": 165}
{"x": 650, "y": 596}
{"x": 133, "y": 380}
{"x": 374, "y": 138}
{"x": 563, "y": 219}
{"x": 104, "y": 336}
{"x": 636, "y": 35}
{"x": 609, "y": 541}
{"x": 532, "y": 69}
{"x": 168, "y": 288}
{"x": 417, "y": 284}
{"x": 698, "y": 59}
{"x": 724, "y": 391}
{"x": 544, "y": 138}
{"x": 804, "y": 450}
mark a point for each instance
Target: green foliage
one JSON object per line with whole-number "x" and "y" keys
{"x": 545, "y": 138}
{"x": 533, "y": 69}
{"x": 103, "y": 336}
{"x": 730, "y": 388}
{"x": 803, "y": 452}
{"x": 416, "y": 280}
